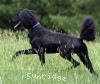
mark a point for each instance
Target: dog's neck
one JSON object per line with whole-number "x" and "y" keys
{"x": 37, "y": 25}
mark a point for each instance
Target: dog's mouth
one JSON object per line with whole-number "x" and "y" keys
{"x": 17, "y": 25}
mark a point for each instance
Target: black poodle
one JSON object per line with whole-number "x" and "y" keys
{"x": 43, "y": 40}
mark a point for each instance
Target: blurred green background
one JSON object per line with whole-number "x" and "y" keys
{"x": 58, "y": 15}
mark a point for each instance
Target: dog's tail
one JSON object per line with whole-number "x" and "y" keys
{"x": 87, "y": 31}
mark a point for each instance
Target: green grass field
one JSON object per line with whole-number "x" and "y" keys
{"x": 26, "y": 69}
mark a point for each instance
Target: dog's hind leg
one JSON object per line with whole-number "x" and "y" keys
{"x": 66, "y": 54}
{"x": 20, "y": 52}
{"x": 86, "y": 61}
{"x": 41, "y": 55}
{"x": 74, "y": 62}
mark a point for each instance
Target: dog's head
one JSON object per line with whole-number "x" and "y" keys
{"x": 24, "y": 18}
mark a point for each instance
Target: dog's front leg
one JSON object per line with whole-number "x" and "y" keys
{"x": 41, "y": 55}
{"x": 20, "y": 52}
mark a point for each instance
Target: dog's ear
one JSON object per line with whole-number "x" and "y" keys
{"x": 28, "y": 17}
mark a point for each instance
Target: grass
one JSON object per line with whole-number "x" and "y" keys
{"x": 26, "y": 69}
